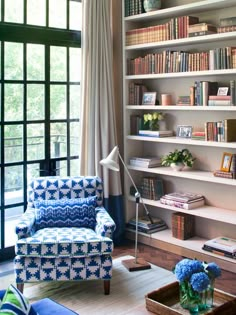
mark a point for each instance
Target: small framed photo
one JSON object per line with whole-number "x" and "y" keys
{"x": 184, "y": 131}
{"x": 223, "y": 91}
{"x": 226, "y": 162}
{"x": 149, "y": 98}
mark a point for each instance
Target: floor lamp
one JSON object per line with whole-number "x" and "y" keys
{"x": 112, "y": 162}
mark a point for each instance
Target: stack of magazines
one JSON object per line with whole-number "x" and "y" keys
{"x": 145, "y": 226}
{"x": 184, "y": 200}
{"x": 221, "y": 245}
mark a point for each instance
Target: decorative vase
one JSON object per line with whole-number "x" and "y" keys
{"x": 177, "y": 166}
{"x": 151, "y": 5}
{"x": 195, "y": 301}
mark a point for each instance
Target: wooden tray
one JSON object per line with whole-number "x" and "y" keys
{"x": 165, "y": 301}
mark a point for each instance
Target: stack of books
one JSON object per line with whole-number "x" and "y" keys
{"x": 198, "y": 135}
{"x": 146, "y": 161}
{"x": 185, "y": 200}
{"x": 145, "y": 226}
{"x": 156, "y": 133}
{"x": 221, "y": 245}
{"x": 201, "y": 29}
{"x": 182, "y": 225}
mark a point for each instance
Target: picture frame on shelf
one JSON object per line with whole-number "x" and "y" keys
{"x": 226, "y": 162}
{"x": 184, "y": 131}
{"x": 149, "y": 98}
{"x": 223, "y": 91}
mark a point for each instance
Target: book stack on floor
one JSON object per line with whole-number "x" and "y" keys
{"x": 221, "y": 245}
{"x": 146, "y": 161}
{"x": 145, "y": 226}
{"x": 182, "y": 225}
{"x": 185, "y": 200}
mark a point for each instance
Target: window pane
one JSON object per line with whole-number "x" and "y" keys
{"x": 75, "y": 15}
{"x": 74, "y": 138}
{"x": 32, "y": 172}
{"x": 35, "y": 142}
{"x": 13, "y": 61}
{"x": 36, "y": 12}
{"x": 35, "y": 102}
{"x": 62, "y": 168}
{"x": 57, "y": 13}
{"x": 13, "y": 143}
{"x": 12, "y": 216}
{"x": 58, "y": 140}
{"x": 35, "y": 62}
{"x": 13, "y": 184}
{"x": 14, "y": 11}
{"x": 58, "y": 102}
{"x": 58, "y": 63}
{"x": 13, "y": 107}
{"x": 74, "y": 167}
{"x": 74, "y": 101}
{"x": 75, "y": 64}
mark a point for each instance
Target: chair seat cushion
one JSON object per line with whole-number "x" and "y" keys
{"x": 66, "y": 213}
{"x": 64, "y": 242}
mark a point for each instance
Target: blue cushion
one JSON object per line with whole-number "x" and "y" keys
{"x": 15, "y": 303}
{"x": 49, "y": 307}
{"x": 66, "y": 213}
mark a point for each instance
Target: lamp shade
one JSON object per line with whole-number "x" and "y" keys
{"x": 111, "y": 161}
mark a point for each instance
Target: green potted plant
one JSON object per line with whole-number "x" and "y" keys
{"x": 178, "y": 159}
{"x": 153, "y": 119}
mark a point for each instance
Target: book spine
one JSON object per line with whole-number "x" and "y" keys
{"x": 174, "y": 203}
{"x": 232, "y": 92}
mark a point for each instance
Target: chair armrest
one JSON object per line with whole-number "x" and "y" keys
{"x": 25, "y": 225}
{"x": 105, "y": 225}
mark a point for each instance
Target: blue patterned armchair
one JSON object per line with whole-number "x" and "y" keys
{"x": 65, "y": 233}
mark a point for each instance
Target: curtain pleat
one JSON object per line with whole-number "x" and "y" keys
{"x": 98, "y": 123}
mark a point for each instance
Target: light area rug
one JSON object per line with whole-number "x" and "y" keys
{"x": 128, "y": 290}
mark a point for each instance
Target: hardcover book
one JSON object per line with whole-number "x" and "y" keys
{"x": 156, "y": 133}
{"x": 145, "y": 161}
{"x": 219, "y": 251}
{"x": 183, "y": 205}
{"x": 184, "y": 197}
{"x": 222, "y": 243}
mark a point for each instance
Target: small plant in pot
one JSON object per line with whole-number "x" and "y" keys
{"x": 178, "y": 159}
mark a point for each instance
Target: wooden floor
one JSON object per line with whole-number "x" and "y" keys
{"x": 227, "y": 281}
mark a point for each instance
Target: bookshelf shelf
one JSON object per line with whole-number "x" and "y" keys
{"x": 207, "y": 73}
{"x": 231, "y": 145}
{"x": 207, "y": 212}
{"x": 218, "y": 217}
{"x": 189, "y": 174}
{"x": 191, "y": 248}
{"x": 182, "y": 108}
{"x": 179, "y": 10}
{"x": 186, "y": 41}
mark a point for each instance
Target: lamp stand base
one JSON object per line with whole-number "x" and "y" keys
{"x": 132, "y": 266}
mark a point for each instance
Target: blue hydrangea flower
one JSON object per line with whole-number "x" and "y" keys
{"x": 199, "y": 281}
{"x": 213, "y": 270}
{"x": 183, "y": 270}
{"x": 196, "y": 266}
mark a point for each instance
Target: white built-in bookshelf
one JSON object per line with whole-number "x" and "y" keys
{"x": 218, "y": 216}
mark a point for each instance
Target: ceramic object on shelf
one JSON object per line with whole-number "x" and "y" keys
{"x": 151, "y": 5}
{"x": 177, "y": 166}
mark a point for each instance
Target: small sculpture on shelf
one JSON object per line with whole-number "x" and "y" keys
{"x": 153, "y": 120}
{"x": 178, "y": 159}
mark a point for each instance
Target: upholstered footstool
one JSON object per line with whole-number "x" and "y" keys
{"x": 45, "y": 307}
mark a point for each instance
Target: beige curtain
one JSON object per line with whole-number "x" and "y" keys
{"x": 98, "y": 124}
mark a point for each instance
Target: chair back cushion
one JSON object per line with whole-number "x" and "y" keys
{"x": 56, "y": 188}
{"x": 66, "y": 213}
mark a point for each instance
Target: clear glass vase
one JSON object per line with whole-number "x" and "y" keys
{"x": 195, "y": 301}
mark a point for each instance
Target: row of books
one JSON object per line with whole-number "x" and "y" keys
{"x": 175, "y": 28}
{"x": 221, "y": 131}
{"x": 221, "y": 245}
{"x": 145, "y": 226}
{"x": 185, "y": 200}
{"x": 135, "y": 93}
{"x": 204, "y": 93}
{"x": 182, "y": 225}
{"x": 150, "y": 188}
{"x": 183, "y": 61}
{"x": 133, "y": 7}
